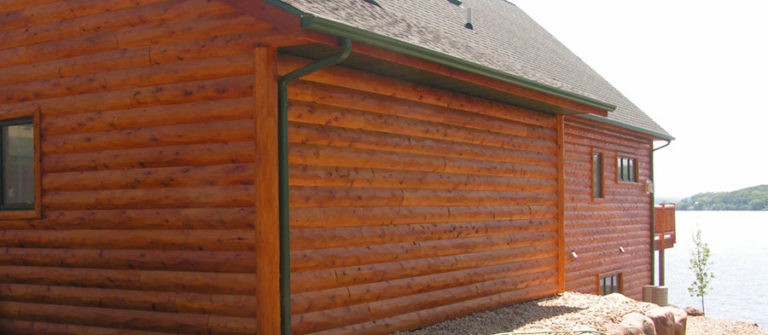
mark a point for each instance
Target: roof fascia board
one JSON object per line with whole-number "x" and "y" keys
{"x": 338, "y": 29}
{"x": 286, "y": 7}
{"x": 656, "y": 135}
{"x": 334, "y": 28}
{"x": 341, "y": 30}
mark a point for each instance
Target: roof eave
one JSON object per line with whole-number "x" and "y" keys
{"x": 334, "y": 28}
{"x": 655, "y": 134}
{"x": 319, "y": 24}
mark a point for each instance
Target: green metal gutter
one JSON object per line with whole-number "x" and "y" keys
{"x": 286, "y": 7}
{"x": 662, "y": 136}
{"x": 334, "y": 28}
{"x": 284, "y": 185}
{"x": 342, "y": 30}
{"x": 309, "y": 21}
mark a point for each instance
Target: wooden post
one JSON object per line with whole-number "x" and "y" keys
{"x": 560, "y": 203}
{"x": 663, "y": 223}
{"x": 266, "y": 218}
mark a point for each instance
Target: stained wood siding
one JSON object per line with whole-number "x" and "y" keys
{"x": 596, "y": 228}
{"x": 410, "y": 205}
{"x": 147, "y": 167}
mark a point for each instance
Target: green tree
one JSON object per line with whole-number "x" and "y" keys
{"x": 699, "y": 264}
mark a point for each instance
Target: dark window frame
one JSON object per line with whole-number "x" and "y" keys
{"x": 598, "y": 175}
{"x": 626, "y": 169}
{"x": 4, "y": 124}
{"x": 35, "y": 210}
{"x": 608, "y": 284}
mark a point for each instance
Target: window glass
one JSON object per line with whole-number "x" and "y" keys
{"x": 18, "y": 168}
{"x": 610, "y": 284}
{"x": 597, "y": 175}
{"x": 627, "y": 169}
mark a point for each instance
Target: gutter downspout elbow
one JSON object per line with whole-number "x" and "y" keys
{"x": 663, "y": 146}
{"x": 284, "y": 186}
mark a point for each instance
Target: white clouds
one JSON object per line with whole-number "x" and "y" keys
{"x": 699, "y": 68}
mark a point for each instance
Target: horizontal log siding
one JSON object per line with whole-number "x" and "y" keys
{"x": 596, "y": 228}
{"x": 410, "y": 205}
{"x": 148, "y": 168}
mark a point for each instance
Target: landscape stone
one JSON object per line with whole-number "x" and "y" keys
{"x": 693, "y": 311}
{"x": 615, "y": 329}
{"x": 639, "y": 324}
{"x": 681, "y": 320}
{"x": 663, "y": 320}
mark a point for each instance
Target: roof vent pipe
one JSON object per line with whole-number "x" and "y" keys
{"x": 468, "y": 25}
{"x": 455, "y": 2}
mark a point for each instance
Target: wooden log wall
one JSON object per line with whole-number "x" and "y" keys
{"x": 410, "y": 205}
{"x": 147, "y": 167}
{"x": 596, "y": 228}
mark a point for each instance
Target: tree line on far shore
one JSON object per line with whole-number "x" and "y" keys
{"x": 749, "y": 199}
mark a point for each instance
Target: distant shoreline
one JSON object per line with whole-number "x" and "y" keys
{"x": 721, "y": 210}
{"x": 749, "y": 199}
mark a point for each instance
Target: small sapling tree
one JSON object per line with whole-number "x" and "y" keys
{"x": 699, "y": 264}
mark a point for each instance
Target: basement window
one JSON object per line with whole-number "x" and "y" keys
{"x": 610, "y": 284}
{"x": 19, "y": 176}
{"x": 627, "y": 169}
{"x": 597, "y": 175}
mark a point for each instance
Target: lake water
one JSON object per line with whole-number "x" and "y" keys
{"x": 738, "y": 242}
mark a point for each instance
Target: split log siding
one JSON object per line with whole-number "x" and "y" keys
{"x": 596, "y": 228}
{"x": 148, "y": 160}
{"x": 410, "y": 205}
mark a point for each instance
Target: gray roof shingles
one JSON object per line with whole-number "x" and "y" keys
{"x": 504, "y": 38}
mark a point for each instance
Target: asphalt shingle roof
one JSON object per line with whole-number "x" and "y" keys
{"x": 503, "y": 38}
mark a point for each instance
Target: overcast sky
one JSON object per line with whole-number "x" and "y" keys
{"x": 699, "y": 68}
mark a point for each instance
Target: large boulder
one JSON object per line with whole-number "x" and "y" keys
{"x": 638, "y": 324}
{"x": 622, "y": 329}
{"x": 614, "y": 329}
{"x": 681, "y": 319}
{"x": 663, "y": 320}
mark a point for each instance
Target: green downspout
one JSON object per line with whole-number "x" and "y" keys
{"x": 284, "y": 186}
{"x": 653, "y": 227}
{"x": 653, "y": 215}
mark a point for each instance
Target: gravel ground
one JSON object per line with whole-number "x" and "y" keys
{"x": 572, "y": 311}
{"x": 699, "y": 325}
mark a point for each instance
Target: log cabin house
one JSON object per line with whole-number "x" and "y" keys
{"x": 306, "y": 167}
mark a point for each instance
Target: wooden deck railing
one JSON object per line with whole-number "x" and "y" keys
{"x": 664, "y": 229}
